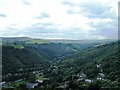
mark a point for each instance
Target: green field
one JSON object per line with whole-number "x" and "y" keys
{"x": 38, "y": 77}
{"x": 17, "y": 84}
{"x": 37, "y": 41}
{"x": 18, "y": 46}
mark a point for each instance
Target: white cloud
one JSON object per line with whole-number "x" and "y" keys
{"x": 23, "y": 16}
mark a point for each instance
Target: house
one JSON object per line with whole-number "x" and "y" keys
{"x": 101, "y": 75}
{"x": 82, "y": 75}
{"x": 2, "y": 84}
{"x": 80, "y": 79}
{"x": 63, "y": 86}
{"x": 39, "y": 81}
{"x": 88, "y": 81}
{"x": 99, "y": 78}
{"x": 31, "y": 85}
{"x": 98, "y": 65}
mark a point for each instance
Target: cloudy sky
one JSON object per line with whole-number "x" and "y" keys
{"x": 59, "y": 19}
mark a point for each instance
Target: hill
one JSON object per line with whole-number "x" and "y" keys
{"x": 22, "y": 40}
{"x": 101, "y": 59}
{"x": 67, "y": 65}
{"x": 20, "y": 57}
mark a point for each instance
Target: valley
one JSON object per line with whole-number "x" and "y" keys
{"x": 64, "y": 64}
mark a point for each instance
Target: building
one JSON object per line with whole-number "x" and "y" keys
{"x": 31, "y": 85}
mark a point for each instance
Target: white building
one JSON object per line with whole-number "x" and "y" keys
{"x": 88, "y": 81}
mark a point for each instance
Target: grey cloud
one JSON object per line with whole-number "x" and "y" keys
{"x": 26, "y": 2}
{"x": 110, "y": 33}
{"x": 43, "y": 15}
{"x": 68, "y": 3}
{"x": 108, "y": 29}
{"x": 42, "y": 32}
{"x": 40, "y": 29}
{"x": 91, "y": 10}
{"x": 96, "y": 10}
{"x": 2, "y": 15}
{"x": 44, "y": 24}
{"x": 13, "y": 32}
{"x": 72, "y": 12}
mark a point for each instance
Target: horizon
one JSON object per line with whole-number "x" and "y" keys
{"x": 59, "y": 19}
{"x": 54, "y": 38}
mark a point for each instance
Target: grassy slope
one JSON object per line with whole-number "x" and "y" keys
{"x": 37, "y": 41}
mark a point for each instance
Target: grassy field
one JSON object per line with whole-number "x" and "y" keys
{"x": 39, "y": 77}
{"x": 18, "y": 46}
{"x": 37, "y": 41}
{"x": 17, "y": 84}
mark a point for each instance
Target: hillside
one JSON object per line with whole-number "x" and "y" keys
{"x": 68, "y": 66}
{"x": 14, "y": 58}
{"x": 60, "y": 50}
{"x": 54, "y": 50}
{"x": 101, "y": 59}
{"x": 22, "y": 40}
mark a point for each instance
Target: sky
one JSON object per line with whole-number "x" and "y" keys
{"x": 59, "y": 19}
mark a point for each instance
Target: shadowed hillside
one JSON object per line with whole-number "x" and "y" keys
{"x": 17, "y": 58}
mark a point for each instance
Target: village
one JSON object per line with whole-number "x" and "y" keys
{"x": 39, "y": 80}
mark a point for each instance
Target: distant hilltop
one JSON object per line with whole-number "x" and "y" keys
{"x": 29, "y": 40}
{"x": 15, "y": 38}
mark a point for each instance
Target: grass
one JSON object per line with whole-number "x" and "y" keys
{"x": 18, "y": 46}
{"x": 17, "y": 84}
{"x": 39, "y": 77}
{"x": 37, "y": 41}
